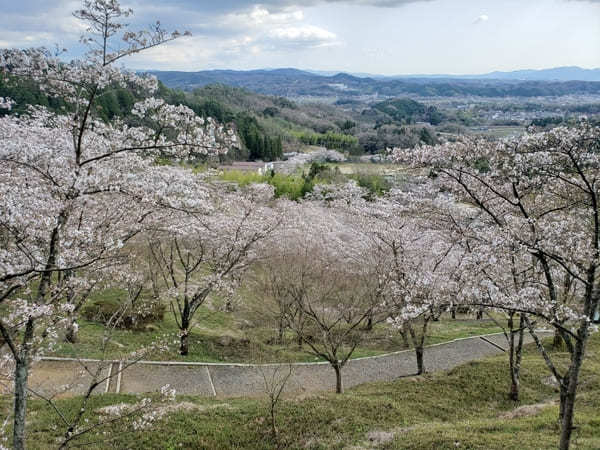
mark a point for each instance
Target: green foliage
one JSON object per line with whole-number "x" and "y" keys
{"x": 25, "y": 93}
{"x": 271, "y": 111}
{"x": 296, "y": 187}
{"x": 208, "y": 102}
{"x": 377, "y": 185}
{"x": 329, "y": 140}
{"x": 482, "y": 164}
{"x": 112, "y": 308}
{"x": 316, "y": 169}
{"x": 260, "y": 146}
{"x": 407, "y": 111}
{"x": 347, "y": 125}
{"x": 293, "y": 187}
{"x": 547, "y": 121}
{"x": 427, "y": 136}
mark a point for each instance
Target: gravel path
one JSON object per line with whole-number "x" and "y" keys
{"x": 56, "y": 375}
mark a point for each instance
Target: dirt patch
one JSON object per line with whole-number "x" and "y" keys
{"x": 381, "y": 437}
{"x": 306, "y": 395}
{"x": 550, "y": 381}
{"x": 416, "y": 379}
{"x": 378, "y": 438}
{"x": 526, "y": 410}
{"x": 124, "y": 408}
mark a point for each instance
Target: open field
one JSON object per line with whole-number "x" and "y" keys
{"x": 498, "y": 131}
{"x": 466, "y": 407}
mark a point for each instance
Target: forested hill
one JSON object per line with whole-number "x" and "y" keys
{"x": 297, "y": 83}
{"x": 267, "y": 125}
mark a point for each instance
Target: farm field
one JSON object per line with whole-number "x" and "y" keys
{"x": 499, "y": 131}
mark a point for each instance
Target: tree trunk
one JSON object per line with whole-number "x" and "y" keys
{"x": 419, "y": 343}
{"x": 563, "y": 400}
{"x": 480, "y": 314}
{"x": 339, "y": 386}
{"x": 72, "y": 335}
{"x": 184, "y": 342}
{"x": 569, "y": 392}
{"x": 274, "y": 426}
{"x": 184, "y": 328}
{"x": 404, "y": 335}
{"x": 515, "y": 357}
{"x": 280, "y": 330}
{"x": 21, "y": 379}
{"x": 420, "y": 362}
{"x": 515, "y": 371}
{"x": 558, "y": 342}
{"x": 369, "y": 326}
{"x": 21, "y": 376}
{"x": 453, "y": 312}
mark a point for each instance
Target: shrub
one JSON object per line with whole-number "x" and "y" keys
{"x": 131, "y": 317}
{"x": 292, "y": 186}
{"x": 374, "y": 183}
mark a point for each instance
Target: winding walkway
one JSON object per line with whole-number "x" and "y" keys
{"x": 53, "y": 375}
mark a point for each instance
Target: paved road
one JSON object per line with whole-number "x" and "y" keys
{"x": 54, "y": 375}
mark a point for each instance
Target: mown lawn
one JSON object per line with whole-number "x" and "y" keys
{"x": 462, "y": 408}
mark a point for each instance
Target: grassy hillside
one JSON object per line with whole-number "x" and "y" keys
{"x": 465, "y": 408}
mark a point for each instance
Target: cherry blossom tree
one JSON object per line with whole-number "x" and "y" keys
{"x": 510, "y": 273}
{"x": 423, "y": 285}
{"x": 417, "y": 261}
{"x": 76, "y": 189}
{"x": 537, "y": 201}
{"x": 327, "y": 281}
{"x": 208, "y": 253}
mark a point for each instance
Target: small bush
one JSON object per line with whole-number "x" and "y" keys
{"x": 376, "y": 184}
{"x": 292, "y": 186}
{"x": 111, "y": 310}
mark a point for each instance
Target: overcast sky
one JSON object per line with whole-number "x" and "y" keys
{"x": 373, "y": 36}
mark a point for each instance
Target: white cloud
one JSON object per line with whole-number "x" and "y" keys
{"x": 305, "y": 35}
{"x": 356, "y": 35}
{"x": 258, "y": 17}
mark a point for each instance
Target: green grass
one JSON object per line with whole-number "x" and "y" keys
{"x": 222, "y": 337}
{"x": 291, "y": 186}
{"x": 461, "y": 408}
{"x": 244, "y": 336}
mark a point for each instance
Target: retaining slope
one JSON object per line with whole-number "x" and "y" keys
{"x": 52, "y": 375}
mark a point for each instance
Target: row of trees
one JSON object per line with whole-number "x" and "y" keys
{"x": 260, "y": 146}
{"x": 531, "y": 234}
{"x": 77, "y": 190}
{"x": 518, "y": 234}
{"x": 330, "y": 140}
{"x": 82, "y": 195}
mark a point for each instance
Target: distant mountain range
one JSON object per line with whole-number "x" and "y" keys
{"x": 299, "y": 83}
{"x": 571, "y": 73}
